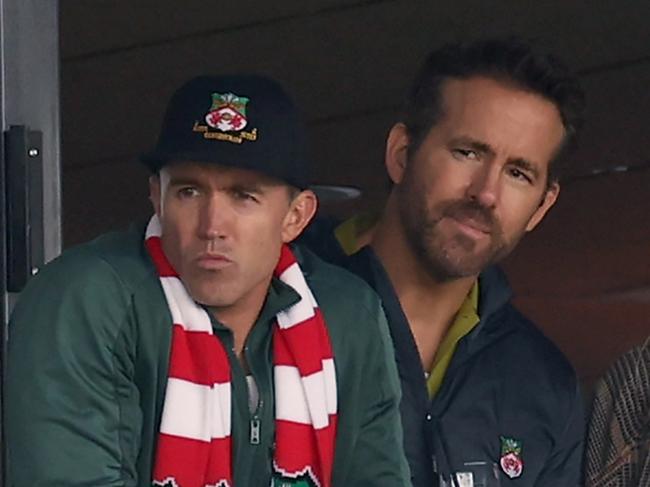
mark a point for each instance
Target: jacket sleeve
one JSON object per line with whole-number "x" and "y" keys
{"x": 564, "y": 466}
{"x": 69, "y": 388}
{"x": 378, "y": 458}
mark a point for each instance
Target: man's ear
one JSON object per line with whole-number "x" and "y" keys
{"x": 155, "y": 193}
{"x": 396, "y": 155}
{"x": 550, "y": 197}
{"x": 301, "y": 210}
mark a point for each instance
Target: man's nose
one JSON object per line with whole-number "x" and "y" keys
{"x": 485, "y": 186}
{"x": 215, "y": 218}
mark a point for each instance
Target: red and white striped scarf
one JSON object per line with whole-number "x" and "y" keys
{"x": 194, "y": 445}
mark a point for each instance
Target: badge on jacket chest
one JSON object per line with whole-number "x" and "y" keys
{"x": 511, "y": 461}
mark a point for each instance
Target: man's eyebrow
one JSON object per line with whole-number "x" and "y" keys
{"x": 474, "y": 144}
{"x": 183, "y": 180}
{"x": 256, "y": 188}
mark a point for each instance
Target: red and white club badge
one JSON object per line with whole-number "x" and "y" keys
{"x": 511, "y": 461}
{"x": 228, "y": 112}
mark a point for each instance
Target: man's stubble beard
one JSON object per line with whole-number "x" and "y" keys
{"x": 443, "y": 257}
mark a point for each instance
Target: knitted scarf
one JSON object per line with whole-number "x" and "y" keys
{"x": 194, "y": 445}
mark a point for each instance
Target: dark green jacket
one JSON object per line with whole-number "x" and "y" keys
{"x": 87, "y": 367}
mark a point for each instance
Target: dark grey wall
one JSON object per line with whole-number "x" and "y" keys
{"x": 347, "y": 63}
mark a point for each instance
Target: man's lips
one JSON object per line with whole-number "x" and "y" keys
{"x": 471, "y": 226}
{"x": 213, "y": 261}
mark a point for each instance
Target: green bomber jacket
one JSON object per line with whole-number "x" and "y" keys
{"x": 88, "y": 353}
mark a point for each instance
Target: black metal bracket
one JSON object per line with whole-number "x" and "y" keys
{"x": 24, "y": 204}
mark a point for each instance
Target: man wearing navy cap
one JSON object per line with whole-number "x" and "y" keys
{"x": 205, "y": 350}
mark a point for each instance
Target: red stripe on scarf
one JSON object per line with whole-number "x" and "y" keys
{"x": 318, "y": 453}
{"x": 188, "y": 461}
{"x": 289, "y": 352}
{"x": 198, "y": 357}
{"x": 286, "y": 260}
{"x": 164, "y": 268}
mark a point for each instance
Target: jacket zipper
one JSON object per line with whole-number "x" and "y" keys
{"x": 256, "y": 425}
{"x": 255, "y": 430}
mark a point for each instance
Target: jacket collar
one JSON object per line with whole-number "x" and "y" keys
{"x": 494, "y": 291}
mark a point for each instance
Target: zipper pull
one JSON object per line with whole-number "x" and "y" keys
{"x": 255, "y": 431}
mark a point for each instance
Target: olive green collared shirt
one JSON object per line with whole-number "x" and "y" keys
{"x": 466, "y": 319}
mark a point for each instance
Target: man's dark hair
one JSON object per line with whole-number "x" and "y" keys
{"x": 512, "y": 60}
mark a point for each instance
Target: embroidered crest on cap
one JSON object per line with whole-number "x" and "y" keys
{"x": 511, "y": 461}
{"x": 226, "y": 119}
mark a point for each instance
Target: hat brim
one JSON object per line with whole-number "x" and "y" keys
{"x": 332, "y": 193}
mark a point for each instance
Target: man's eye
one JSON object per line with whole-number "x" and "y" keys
{"x": 188, "y": 192}
{"x": 520, "y": 175}
{"x": 465, "y": 154}
{"x": 244, "y": 196}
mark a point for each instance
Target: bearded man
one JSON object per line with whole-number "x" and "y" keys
{"x": 487, "y": 399}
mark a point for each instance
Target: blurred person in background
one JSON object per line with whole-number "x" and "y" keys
{"x": 618, "y": 442}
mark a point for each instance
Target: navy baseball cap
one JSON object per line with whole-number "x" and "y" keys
{"x": 247, "y": 122}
